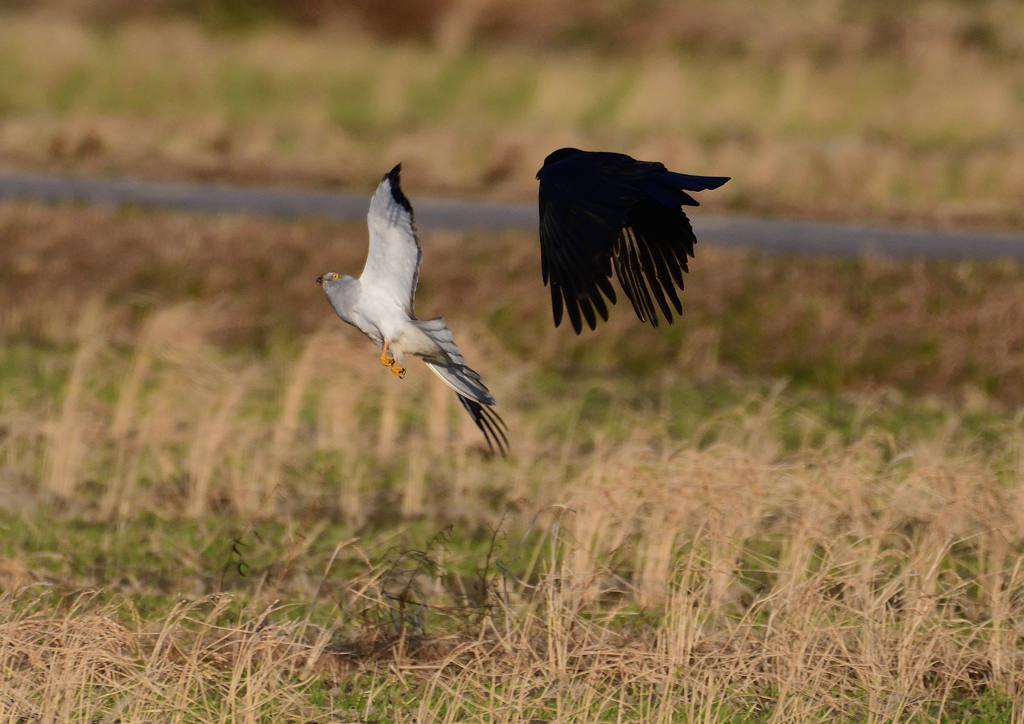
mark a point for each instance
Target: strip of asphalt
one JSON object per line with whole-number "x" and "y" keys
{"x": 767, "y": 236}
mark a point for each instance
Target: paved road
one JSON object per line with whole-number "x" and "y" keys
{"x": 765, "y": 235}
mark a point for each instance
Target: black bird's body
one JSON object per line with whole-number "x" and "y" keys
{"x": 600, "y": 211}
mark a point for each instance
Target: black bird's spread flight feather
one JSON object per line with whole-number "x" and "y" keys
{"x": 605, "y": 211}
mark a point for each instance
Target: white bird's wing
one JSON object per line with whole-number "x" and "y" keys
{"x": 393, "y": 261}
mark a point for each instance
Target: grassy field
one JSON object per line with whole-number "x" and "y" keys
{"x": 217, "y": 505}
{"x": 885, "y": 111}
{"x": 803, "y": 502}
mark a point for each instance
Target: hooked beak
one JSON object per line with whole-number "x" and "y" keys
{"x": 319, "y": 280}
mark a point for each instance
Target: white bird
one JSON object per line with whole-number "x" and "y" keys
{"x": 380, "y": 305}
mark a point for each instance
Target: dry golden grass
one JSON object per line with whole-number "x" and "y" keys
{"x": 83, "y": 662}
{"x": 182, "y": 416}
{"x": 672, "y": 584}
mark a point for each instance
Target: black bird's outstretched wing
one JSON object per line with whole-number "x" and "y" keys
{"x": 600, "y": 211}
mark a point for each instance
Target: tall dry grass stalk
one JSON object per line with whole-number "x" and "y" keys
{"x": 350, "y": 497}
{"x": 342, "y": 381}
{"x": 415, "y": 479}
{"x": 437, "y": 414}
{"x": 291, "y": 406}
{"x": 211, "y": 435}
{"x": 388, "y": 427}
{"x": 66, "y": 448}
{"x": 337, "y": 414}
{"x": 161, "y": 333}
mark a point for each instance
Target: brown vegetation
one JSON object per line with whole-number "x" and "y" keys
{"x": 865, "y": 323}
{"x": 907, "y": 112}
{"x": 833, "y": 584}
{"x": 828, "y": 30}
{"x": 188, "y": 369}
{"x": 84, "y": 660}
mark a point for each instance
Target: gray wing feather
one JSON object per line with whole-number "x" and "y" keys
{"x": 393, "y": 260}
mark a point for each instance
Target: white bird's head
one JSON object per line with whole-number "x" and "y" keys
{"x": 329, "y": 279}
{"x": 342, "y": 291}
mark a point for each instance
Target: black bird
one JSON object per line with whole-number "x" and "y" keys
{"x": 599, "y": 210}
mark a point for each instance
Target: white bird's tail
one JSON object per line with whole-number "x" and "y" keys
{"x": 451, "y": 367}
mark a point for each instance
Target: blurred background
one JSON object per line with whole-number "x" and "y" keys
{"x": 910, "y": 109}
{"x": 834, "y": 446}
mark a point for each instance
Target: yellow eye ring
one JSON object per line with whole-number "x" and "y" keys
{"x": 334, "y": 276}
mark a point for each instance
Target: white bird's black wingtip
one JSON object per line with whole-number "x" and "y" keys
{"x": 395, "y": 182}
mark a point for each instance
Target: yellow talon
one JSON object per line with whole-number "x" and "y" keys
{"x": 386, "y": 359}
{"x": 399, "y": 371}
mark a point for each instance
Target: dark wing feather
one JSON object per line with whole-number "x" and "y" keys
{"x": 605, "y": 211}
{"x": 490, "y": 424}
{"x": 585, "y": 200}
{"x": 651, "y": 254}
{"x": 630, "y": 274}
